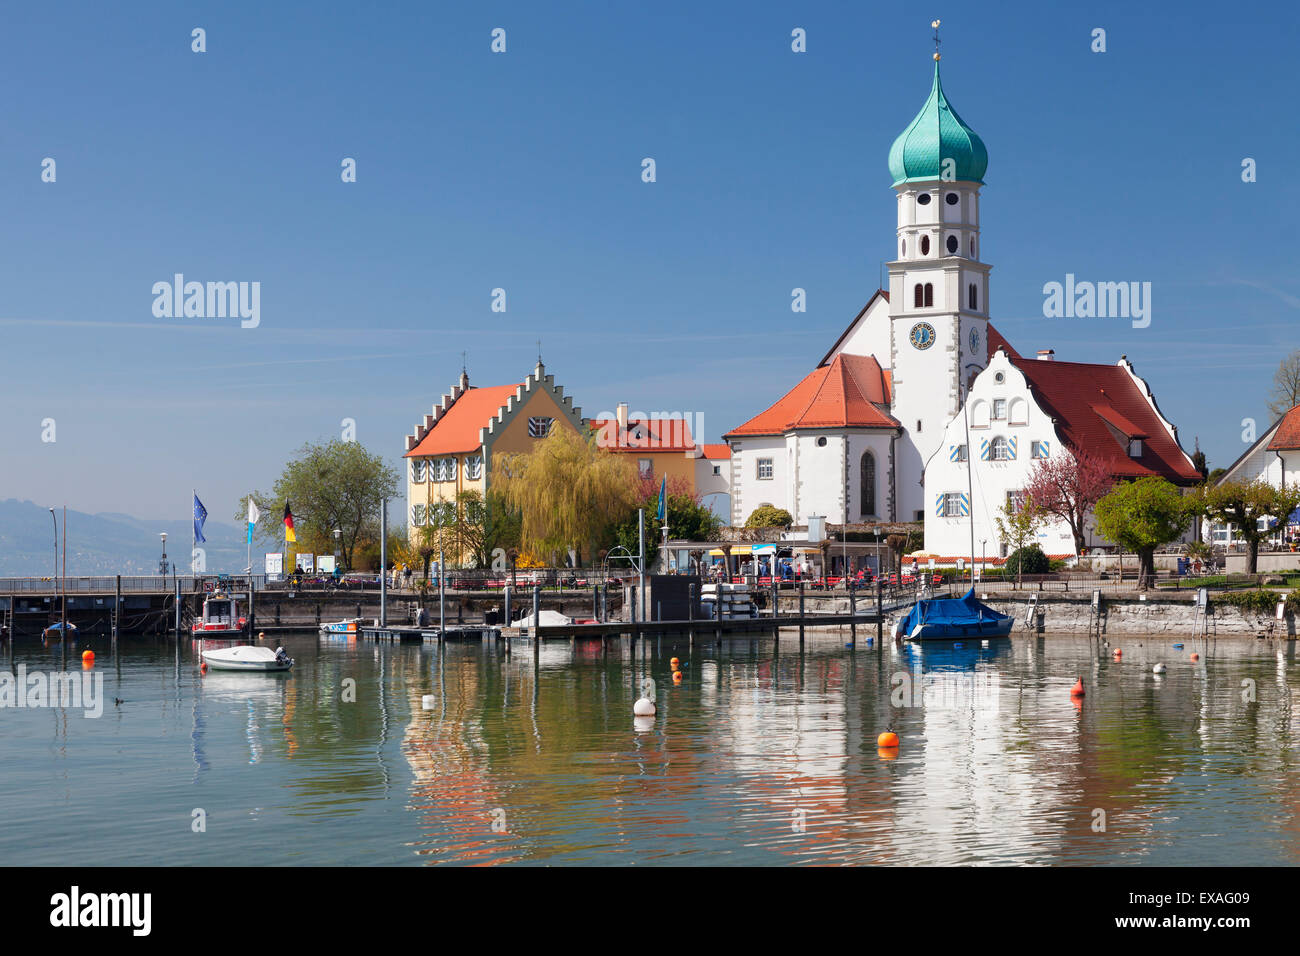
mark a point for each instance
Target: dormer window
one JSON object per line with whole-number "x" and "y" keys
{"x": 1135, "y": 447}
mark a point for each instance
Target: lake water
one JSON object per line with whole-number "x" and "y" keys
{"x": 761, "y": 755}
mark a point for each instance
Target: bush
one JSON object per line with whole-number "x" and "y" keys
{"x": 1027, "y": 560}
{"x": 1258, "y": 602}
{"x": 767, "y": 516}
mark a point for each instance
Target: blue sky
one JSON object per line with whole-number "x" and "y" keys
{"x": 522, "y": 171}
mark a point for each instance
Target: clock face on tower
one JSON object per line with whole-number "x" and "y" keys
{"x": 974, "y": 340}
{"x": 922, "y": 335}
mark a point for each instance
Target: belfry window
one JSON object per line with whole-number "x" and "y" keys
{"x": 973, "y": 297}
{"x": 925, "y": 245}
{"x": 923, "y": 199}
{"x": 952, "y": 245}
{"x": 929, "y": 295}
{"x": 918, "y": 296}
{"x": 952, "y": 199}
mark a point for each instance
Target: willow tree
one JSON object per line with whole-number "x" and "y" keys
{"x": 568, "y": 492}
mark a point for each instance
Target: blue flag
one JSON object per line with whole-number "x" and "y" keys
{"x": 663, "y": 499}
{"x": 200, "y": 516}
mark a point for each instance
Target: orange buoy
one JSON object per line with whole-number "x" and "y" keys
{"x": 887, "y": 740}
{"x": 203, "y": 667}
{"x": 1077, "y": 690}
{"x": 1118, "y": 652}
{"x": 1195, "y": 656}
{"x": 677, "y": 677}
{"x": 88, "y": 656}
{"x": 673, "y": 663}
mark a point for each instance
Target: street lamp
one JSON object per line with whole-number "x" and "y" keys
{"x": 338, "y": 533}
{"x": 162, "y": 564}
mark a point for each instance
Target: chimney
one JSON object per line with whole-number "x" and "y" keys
{"x": 622, "y": 417}
{"x": 1046, "y": 355}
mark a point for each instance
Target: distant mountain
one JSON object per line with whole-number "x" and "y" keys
{"x": 109, "y": 543}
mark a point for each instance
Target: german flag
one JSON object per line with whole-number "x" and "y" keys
{"x": 289, "y": 536}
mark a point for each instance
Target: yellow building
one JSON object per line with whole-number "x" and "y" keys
{"x": 451, "y": 451}
{"x": 661, "y": 447}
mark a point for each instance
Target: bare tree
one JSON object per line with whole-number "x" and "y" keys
{"x": 1286, "y": 385}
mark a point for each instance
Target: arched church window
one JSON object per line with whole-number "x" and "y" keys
{"x": 923, "y": 199}
{"x": 918, "y": 296}
{"x": 929, "y": 295}
{"x": 973, "y": 296}
{"x": 952, "y": 245}
{"x": 868, "y": 469}
{"x": 925, "y": 245}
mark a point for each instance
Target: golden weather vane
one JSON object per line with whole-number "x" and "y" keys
{"x": 935, "y": 23}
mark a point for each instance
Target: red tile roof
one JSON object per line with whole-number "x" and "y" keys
{"x": 716, "y": 451}
{"x": 645, "y": 434}
{"x": 457, "y": 430}
{"x": 996, "y": 341}
{"x": 851, "y": 392}
{"x": 1083, "y": 399}
{"x": 1288, "y": 432}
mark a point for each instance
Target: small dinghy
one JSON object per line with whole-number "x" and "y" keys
{"x": 248, "y": 657}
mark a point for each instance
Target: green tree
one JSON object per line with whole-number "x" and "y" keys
{"x": 1247, "y": 505}
{"x": 337, "y": 484}
{"x": 1142, "y": 515}
{"x": 769, "y": 516}
{"x": 688, "y": 518}
{"x": 1018, "y": 520}
{"x": 569, "y": 493}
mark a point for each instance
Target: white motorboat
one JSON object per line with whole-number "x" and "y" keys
{"x": 347, "y": 626}
{"x": 248, "y": 657}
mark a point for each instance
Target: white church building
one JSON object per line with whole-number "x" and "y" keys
{"x": 877, "y": 432}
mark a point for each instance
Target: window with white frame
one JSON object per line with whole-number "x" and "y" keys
{"x": 999, "y": 409}
{"x": 473, "y": 467}
{"x": 952, "y": 505}
{"x": 446, "y": 469}
{"x": 539, "y": 426}
{"x": 717, "y": 469}
{"x": 765, "y": 470}
{"x": 998, "y": 450}
{"x": 418, "y": 466}
{"x": 960, "y": 453}
{"x": 1038, "y": 449}
{"x": 1016, "y": 501}
{"x": 417, "y": 515}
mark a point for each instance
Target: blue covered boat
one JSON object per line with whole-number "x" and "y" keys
{"x": 952, "y": 619}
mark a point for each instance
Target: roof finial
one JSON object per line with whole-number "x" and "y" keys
{"x": 935, "y": 23}
{"x": 464, "y": 363}
{"x": 539, "y": 351}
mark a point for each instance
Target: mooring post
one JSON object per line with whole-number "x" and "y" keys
{"x": 117, "y": 607}
{"x": 801, "y": 615}
{"x": 537, "y": 638}
{"x": 717, "y": 613}
{"x": 880, "y": 611}
{"x": 690, "y": 615}
{"x": 853, "y": 614}
{"x": 252, "y": 598}
{"x": 506, "y": 605}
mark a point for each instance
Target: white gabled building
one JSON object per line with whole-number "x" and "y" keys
{"x": 1022, "y": 411}
{"x": 1273, "y": 458}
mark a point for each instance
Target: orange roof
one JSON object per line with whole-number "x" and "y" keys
{"x": 457, "y": 430}
{"x": 851, "y": 392}
{"x": 716, "y": 451}
{"x": 1288, "y": 432}
{"x": 644, "y": 434}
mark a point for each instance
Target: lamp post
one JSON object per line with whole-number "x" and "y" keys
{"x": 338, "y": 534}
{"x": 162, "y": 564}
{"x": 55, "y": 576}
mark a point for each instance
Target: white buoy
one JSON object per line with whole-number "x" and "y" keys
{"x": 427, "y": 701}
{"x": 1159, "y": 668}
{"x": 645, "y": 707}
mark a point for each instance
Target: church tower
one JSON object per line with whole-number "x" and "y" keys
{"x": 938, "y": 287}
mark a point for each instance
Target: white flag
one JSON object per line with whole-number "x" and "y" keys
{"x": 253, "y": 513}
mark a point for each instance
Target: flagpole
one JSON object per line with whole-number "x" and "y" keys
{"x": 194, "y": 495}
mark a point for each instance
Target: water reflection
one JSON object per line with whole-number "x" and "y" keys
{"x": 761, "y": 754}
